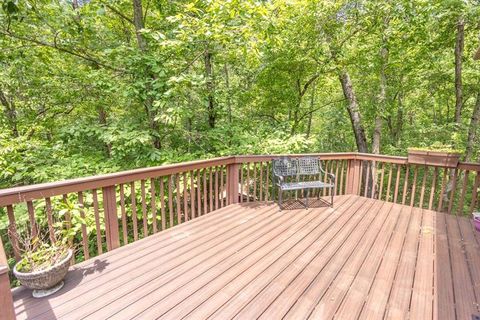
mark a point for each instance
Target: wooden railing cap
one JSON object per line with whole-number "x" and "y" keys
{"x": 38, "y": 191}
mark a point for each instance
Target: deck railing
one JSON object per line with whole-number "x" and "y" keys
{"x": 111, "y": 210}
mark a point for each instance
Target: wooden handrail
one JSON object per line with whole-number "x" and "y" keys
{"x": 43, "y": 190}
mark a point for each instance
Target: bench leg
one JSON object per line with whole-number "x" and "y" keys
{"x": 331, "y": 203}
{"x": 306, "y": 201}
{"x": 280, "y": 198}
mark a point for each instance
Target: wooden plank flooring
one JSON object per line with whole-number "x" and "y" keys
{"x": 362, "y": 259}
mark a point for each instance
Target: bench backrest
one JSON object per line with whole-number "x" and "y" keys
{"x": 288, "y": 167}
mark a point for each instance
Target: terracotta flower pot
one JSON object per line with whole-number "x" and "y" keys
{"x": 434, "y": 158}
{"x": 48, "y": 281}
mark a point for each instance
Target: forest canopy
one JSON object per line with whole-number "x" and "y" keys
{"x": 99, "y": 86}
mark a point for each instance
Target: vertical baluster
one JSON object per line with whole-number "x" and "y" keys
{"x": 338, "y": 163}
{"x": 464, "y": 190}
{"x": 134, "y": 210}
{"x": 241, "y": 183}
{"x": 424, "y": 180}
{"x": 324, "y": 178}
{"x": 442, "y": 190}
{"x": 374, "y": 179}
{"x": 397, "y": 183}
{"x": 414, "y": 186}
{"x": 380, "y": 190}
{"x": 124, "y": 214}
{"x": 86, "y": 253}
{"x": 192, "y": 196}
{"x": 51, "y": 230}
{"x": 341, "y": 190}
{"x": 255, "y": 181}
{"x": 210, "y": 185}
{"x": 261, "y": 181}
{"x": 367, "y": 180}
{"x": 170, "y": 201}
{"x": 389, "y": 184}
{"x": 358, "y": 191}
{"x": 144, "y": 209}
{"x": 348, "y": 183}
{"x": 205, "y": 207}
{"x": 328, "y": 168}
{"x": 432, "y": 189}
{"x": 248, "y": 182}
{"x": 405, "y": 184}
{"x": 12, "y": 232}
{"x": 162, "y": 202}
{"x": 153, "y": 204}
{"x": 452, "y": 194}
{"x": 199, "y": 197}
{"x": 267, "y": 182}
{"x": 221, "y": 187}
{"x": 185, "y": 197}
{"x": 226, "y": 187}
{"x": 216, "y": 188}
{"x": 177, "y": 188}
{"x": 98, "y": 230}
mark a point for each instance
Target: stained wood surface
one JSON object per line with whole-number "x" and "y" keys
{"x": 361, "y": 259}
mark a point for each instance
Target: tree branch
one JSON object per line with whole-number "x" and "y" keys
{"x": 118, "y": 13}
{"x": 318, "y": 108}
{"x": 61, "y": 49}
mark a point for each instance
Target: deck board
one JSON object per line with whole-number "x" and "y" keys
{"x": 364, "y": 258}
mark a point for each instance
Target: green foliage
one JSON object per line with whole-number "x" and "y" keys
{"x": 82, "y": 98}
{"x": 42, "y": 257}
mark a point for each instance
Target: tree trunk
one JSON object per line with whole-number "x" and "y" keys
{"x": 382, "y": 96}
{"x": 229, "y": 101}
{"x": 353, "y": 111}
{"x": 399, "y": 125}
{"x": 310, "y": 115}
{"x": 10, "y": 113}
{"x": 472, "y": 130}
{"x": 138, "y": 22}
{"x": 211, "y": 110}
{"x": 459, "y": 44}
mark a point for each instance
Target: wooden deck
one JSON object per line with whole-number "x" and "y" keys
{"x": 364, "y": 258}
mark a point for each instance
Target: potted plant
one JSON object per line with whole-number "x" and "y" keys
{"x": 436, "y": 155}
{"x": 43, "y": 266}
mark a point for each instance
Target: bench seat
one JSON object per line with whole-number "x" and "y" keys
{"x": 305, "y": 185}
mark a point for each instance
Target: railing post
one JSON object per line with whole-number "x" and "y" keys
{"x": 353, "y": 176}
{"x": 232, "y": 185}
{"x": 111, "y": 218}
{"x": 6, "y": 299}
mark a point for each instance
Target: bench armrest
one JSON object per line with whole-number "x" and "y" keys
{"x": 330, "y": 176}
{"x": 280, "y": 179}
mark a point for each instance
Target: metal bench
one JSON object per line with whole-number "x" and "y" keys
{"x": 286, "y": 169}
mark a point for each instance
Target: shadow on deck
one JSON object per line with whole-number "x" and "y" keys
{"x": 363, "y": 258}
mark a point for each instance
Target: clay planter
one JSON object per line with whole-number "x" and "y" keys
{"x": 48, "y": 281}
{"x": 433, "y": 158}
